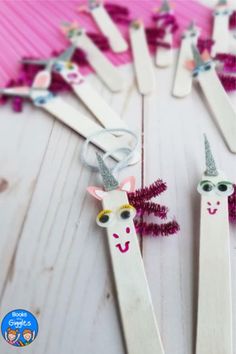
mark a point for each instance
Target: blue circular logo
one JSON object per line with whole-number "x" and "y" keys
{"x": 19, "y": 328}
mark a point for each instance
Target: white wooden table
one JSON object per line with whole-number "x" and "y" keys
{"x": 54, "y": 260}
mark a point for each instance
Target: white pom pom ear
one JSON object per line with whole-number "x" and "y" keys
{"x": 96, "y": 192}
{"x": 128, "y": 185}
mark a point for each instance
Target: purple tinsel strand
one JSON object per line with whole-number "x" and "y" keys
{"x": 232, "y": 21}
{"x": 147, "y": 193}
{"x": 150, "y": 208}
{"x": 205, "y": 44}
{"x": 152, "y": 229}
{"x": 232, "y": 206}
{"x": 229, "y": 82}
{"x": 229, "y": 61}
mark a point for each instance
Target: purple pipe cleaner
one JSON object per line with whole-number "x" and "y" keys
{"x": 140, "y": 199}
{"x": 228, "y": 60}
{"x": 232, "y": 206}
{"x": 232, "y": 21}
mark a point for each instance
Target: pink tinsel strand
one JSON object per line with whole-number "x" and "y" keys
{"x": 232, "y": 206}
{"x": 228, "y": 60}
{"x": 229, "y": 82}
{"x": 152, "y": 229}
{"x": 147, "y": 193}
{"x": 150, "y": 208}
{"x": 205, "y": 44}
{"x": 232, "y": 21}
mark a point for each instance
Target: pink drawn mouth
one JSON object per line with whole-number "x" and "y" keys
{"x": 212, "y": 211}
{"x": 123, "y": 249}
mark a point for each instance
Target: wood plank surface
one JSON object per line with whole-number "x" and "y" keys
{"x": 54, "y": 258}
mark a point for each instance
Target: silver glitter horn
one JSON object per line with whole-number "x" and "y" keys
{"x": 109, "y": 181}
{"x": 211, "y": 169}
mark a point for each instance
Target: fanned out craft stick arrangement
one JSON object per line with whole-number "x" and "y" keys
{"x": 128, "y": 215}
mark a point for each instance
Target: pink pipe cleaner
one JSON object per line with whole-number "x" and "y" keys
{"x": 232, "y": 21}
{"x": 205, "y": 44}
{"x": 166, "y": 21}
{"x": 119, "y": 14}
{"x": 140, "y": 200}
{"x": 152, "y": 229}
{"x": 228, "y": 60}
{"x": 232, "y": 206}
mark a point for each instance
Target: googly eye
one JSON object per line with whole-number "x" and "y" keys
{"x": 207, "y": 67}
{"x": 193, "y": 34}
{"x": 195, "y": 73}
{"x": 104, "y": 218}
{"x": 205, "y": 187}
{"x": 58, "y": 67}
{"x": 39, "y": 101}
{"x": 217, "y": 13}
{"x": 126, "y": 212}
{"x": 224, "y": 188}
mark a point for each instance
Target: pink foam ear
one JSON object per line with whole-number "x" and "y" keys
{"x": 42, "y": 80}
{"x": 205, "y": 55}
{"x": 190, "y": 64}
{"x": 96, "y": 192}
{"x": 128, "y": 185}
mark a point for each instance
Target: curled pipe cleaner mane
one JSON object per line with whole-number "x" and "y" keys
{"x": 232, "y": 206}
{"x": 140, "y": 199}
{"x": 27, "y": 72}
{"x": 226, "y": 64}
{"x": 232, "y": 20}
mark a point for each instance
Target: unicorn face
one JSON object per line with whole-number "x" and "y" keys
{"x": 215, "y": 191}
{"x": 69, "y": 71}
{"x": 117, "y": 215}
{"x": 222, "y": 10}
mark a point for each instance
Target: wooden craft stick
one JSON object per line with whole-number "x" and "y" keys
{"x": 107, "y": 72}
{"x": 221, "y": 34}
{"x": 142, "y": 61}
{"x": 138, "y": 321}
{"x": 218, "y": 100}
{"x": 109, "y": 28}
{"x": 183, "y": 78}
{"x": 214, "y": 320}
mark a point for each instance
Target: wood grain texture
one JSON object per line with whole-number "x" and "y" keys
{"x": 54, "y": 258}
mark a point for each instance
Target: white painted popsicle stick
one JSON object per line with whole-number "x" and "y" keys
{"x": 221, "y": 34}
{"x": 107, "y": 72}
{"x": 96, "y": 104}
{"x": 183, "y": 78}
{"x": 142, "y": 61}
{"x": 109, "y": 29}
{"x": 214, "y": 320}
{"x": 85, "y": 126}
{"x": 140, "y": 328}
{"x": 164, "y": 56}
{"x": 220, "y": 106}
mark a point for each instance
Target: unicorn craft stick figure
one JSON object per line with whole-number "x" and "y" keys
{"x": 70, "y": 73}
{"x": 219, "y": 102}
{"x": 183, "y": 78}
{"x": 107, "y": 26}
{"x": 55, "y": 105}
{"x": 137, "y": 316}
{"x": 107, "y": 72}
{"x": 214, "y": 322}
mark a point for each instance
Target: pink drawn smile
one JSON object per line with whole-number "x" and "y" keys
{"x": 123, "y": 249}
{"x": 212, "y": 211}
